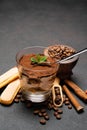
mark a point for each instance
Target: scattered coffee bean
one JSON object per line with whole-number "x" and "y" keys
{"x": 55, "y": 108}
{"x": 66, "y": 99}
{"x": 69, "y": 106}
{"x": 43, "y": 121}
{"x": 40, "y": 114}
{"x": 18, "y": 96}
{"x": 43, "y": 110}
{"x": 58, "y": 116}
{"x": 46, "y": 117}
{"x": 44, "y": 114}
{"x": 36, "y": 111}
{"x": 55, "y": 113}
{"x": 60, "y": 111}
{"x": 16, "y": 100}
{"x": 67, "y": 102}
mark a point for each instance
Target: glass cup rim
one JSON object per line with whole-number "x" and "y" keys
{"x": 26, "y": 48}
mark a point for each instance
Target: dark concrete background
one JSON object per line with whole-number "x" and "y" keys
{"x": 42, "y": 22}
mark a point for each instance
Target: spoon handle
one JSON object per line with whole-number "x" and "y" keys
{"x": 76, "y": 54}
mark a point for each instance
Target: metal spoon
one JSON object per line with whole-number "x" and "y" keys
{"x": 67, "y": 58}
{"x": 72, "y": 56}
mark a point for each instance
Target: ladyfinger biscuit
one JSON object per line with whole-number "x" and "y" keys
{"x": 9, "y": 76}
{"x": 10, "y": 92}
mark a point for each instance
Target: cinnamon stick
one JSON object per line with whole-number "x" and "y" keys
{"x": 73, "y": 100}
{"x": 77, "y": 90}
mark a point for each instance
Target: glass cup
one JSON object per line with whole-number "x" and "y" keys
{"x": 36, "y": 82}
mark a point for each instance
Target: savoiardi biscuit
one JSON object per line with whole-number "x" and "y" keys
{"x": 9, "y": 93}
{"x": 9, "y": 76}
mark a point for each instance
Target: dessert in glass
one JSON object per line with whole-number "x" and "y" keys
{"x": 36, "y": 75}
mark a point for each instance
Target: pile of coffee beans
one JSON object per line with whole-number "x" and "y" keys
{"x": 60, "y": 52}
{"x": 42, "y": 109}
{"x": 43, "y": 114}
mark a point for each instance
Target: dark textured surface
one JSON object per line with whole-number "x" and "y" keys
{"x": 35, "y": 22}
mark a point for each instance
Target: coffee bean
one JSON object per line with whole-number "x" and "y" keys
{"x": 69, "y": 106}
{"x": 16, "y": 100}
{"x": 60, "y": 111}
{"x": 43, "y": 121}
{"x": 18, "y": 96}
{"x": 60, "y": 51}
{"x": 67, "y": 102}
{"x": 55, "y": 113}
{"x": 67, "y": 99}
{"x": 36, "y": 111}
{"x": 43, "y": 110}
{"x": 55, "y": 108}
{"x": 20, "y": 92}
{"x": 46, "y": 117}
{"x": 58, "y": 116}
{"x": 40, "y": 114}
{"x": 57, "y": 92}
{"x": 48, "y": 104}
{"x": 44, "y": 114}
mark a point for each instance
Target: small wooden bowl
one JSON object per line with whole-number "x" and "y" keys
{"x": 65, "y": 68}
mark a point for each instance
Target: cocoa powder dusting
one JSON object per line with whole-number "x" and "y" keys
{"x": 37, "y": 71}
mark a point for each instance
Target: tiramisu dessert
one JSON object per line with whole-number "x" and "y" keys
{"x": 36, "y": 74}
